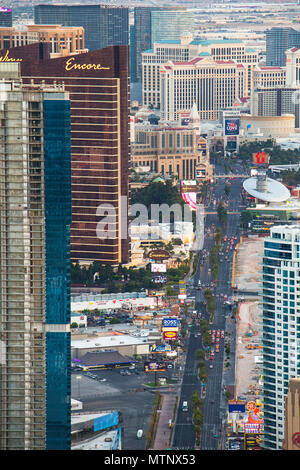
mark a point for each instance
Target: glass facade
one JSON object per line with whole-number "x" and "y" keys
{"x": 6, "y": 17}
{"x": 57, "y": 167}
{"x": 170, "y": 25}
{"x": 281, "y": 326}
{"x": 103, "y": 26}
{"x": 141, "y": 34}
{"x": 278, "y": 40}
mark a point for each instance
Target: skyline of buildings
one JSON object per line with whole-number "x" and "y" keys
{"x": 66, "y": 161}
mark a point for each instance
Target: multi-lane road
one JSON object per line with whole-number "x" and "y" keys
{"x": 214, "y": 403}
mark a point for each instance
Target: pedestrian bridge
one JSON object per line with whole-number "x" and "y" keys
{"x": 231, "y": 175}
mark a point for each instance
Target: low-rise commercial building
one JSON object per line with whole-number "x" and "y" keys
{"x": 124, "y": 344}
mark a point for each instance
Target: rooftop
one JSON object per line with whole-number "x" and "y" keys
{"x": 107, "y": 341}
{"x": 208, "y": 42}
{"x": 104, "y": 358}
{"x": 98, "y": 443}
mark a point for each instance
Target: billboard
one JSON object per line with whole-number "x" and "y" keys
{"x": 160, "y": 348}
{"x": 188, "y": 186}
{"x": 154, "y": 366}
{"x": 189, "y": 193}
{"x": 170, "y": 323}
{"x": 231, "y": 143}
{"x": 169, "y": 335}
{"x": 252, "y": 442}
{"x": 190, "y": 199}
{"x": 236, "y": 406}
{"x": 253, "y": 428}
{"x": 260, "y": 158}
{"x": 159, "y": 279}
{"x": 185, "y": 117}
{"x": 158, "y": 268}
{"x": 232, "y": 126}
{"x": 106, "y": 421}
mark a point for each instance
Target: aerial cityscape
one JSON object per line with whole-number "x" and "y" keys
{"x": 150, "y": 227}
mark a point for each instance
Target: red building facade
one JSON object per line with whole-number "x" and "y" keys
{"x": 98, "y": 84}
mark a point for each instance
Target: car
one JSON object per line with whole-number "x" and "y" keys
{"x": 211, "y": 366}
{"x": 102, "y": 380}
{"x": 212, "y": 402}
{"x": 170, "y": 366}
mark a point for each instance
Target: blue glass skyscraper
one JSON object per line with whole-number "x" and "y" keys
{"x": 57, "y": 167}
{"x": 104, "y": 25}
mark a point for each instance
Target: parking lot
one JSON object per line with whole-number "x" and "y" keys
{"x": 125, "y": 393}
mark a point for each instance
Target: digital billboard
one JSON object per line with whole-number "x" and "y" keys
{"x": 260, "y": 158}
{"x": 232, "y": 126}
{"x": 159, "y": 279}
{"x": 158, "y": 268}
{"x": 185, "y": 118}
{"x": 254, "y": 428}
{"x": 231, "y": 143}
{"x": 154, "y": 366}
{"x": 170, "y": 335}
{"x": 106, "y": 421}
{"x": 160, "y": 348}
{"x": 236, "y": 406}
{"x": 170, "y": 323}
{"x": 190, "y": 199}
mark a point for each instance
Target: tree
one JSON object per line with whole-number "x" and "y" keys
{"x": 114, "y": 321}
{"x": 222, "y": 213}
{"x": 199, "y": 354}
{"x": 227, "y": 189}
{"x": 74, "y": 325}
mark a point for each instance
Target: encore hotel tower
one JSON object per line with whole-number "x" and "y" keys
{"x": 99, "y": 95}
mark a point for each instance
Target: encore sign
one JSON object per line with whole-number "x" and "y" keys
{"x": 71, "y": 66}
{"x": 5, "y": 58}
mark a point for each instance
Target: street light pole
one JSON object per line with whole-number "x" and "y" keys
{"x": 78, "y": 377}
